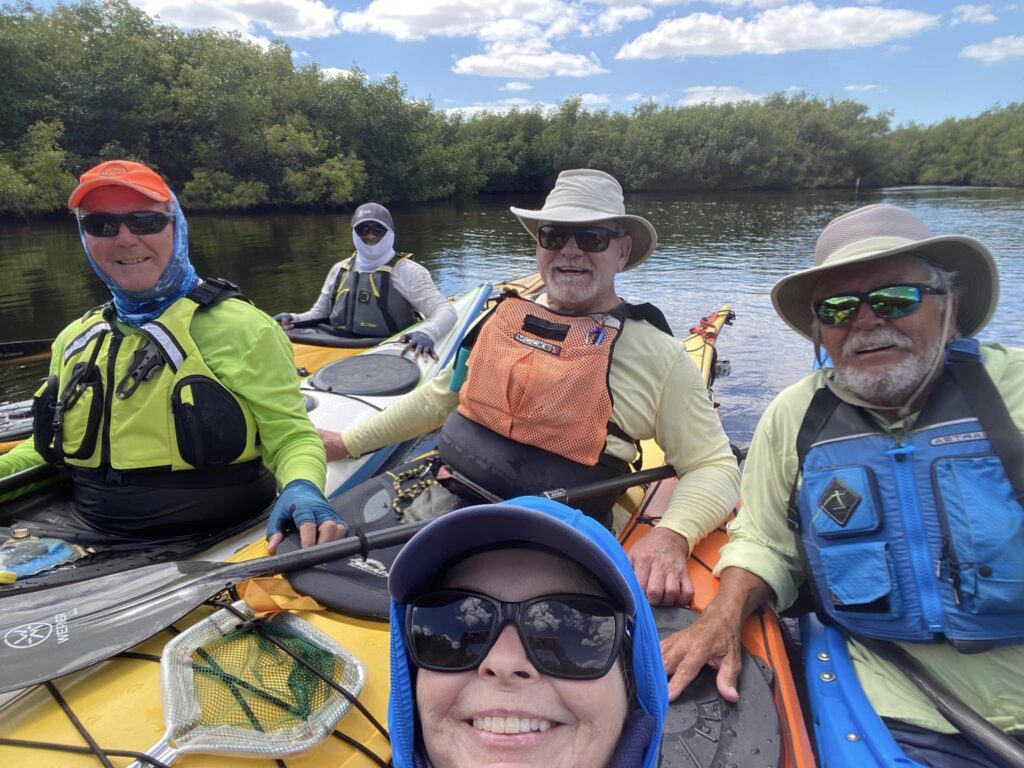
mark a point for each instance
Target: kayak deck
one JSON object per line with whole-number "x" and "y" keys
{"x": 118, "y": 702}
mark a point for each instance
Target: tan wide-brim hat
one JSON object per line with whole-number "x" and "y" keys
{"x": 587, "y": 196}
{"x": 876, "y": 232}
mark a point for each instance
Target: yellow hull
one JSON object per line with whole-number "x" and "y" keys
{"x": 118, "y": 702}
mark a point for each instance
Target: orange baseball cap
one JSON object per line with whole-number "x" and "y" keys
{"x": 121, "y": 173}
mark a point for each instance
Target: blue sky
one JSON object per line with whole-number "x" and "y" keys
{"x": 921, "y": 60}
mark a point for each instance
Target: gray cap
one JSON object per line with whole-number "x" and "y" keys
{"x": 372, "y": 212}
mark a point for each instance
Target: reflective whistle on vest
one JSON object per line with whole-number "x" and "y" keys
{"x": 460, "y": 370}
{"x": 596, "y": 335}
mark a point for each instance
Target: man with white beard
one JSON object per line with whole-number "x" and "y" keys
{"x": 558, "y": 392}
{"x": 889, "y": 483}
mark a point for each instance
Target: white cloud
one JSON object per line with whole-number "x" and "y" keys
{"x": 516, "y": 85}
{"x": 780, "y": 30}
{"x": 287, "y": 18}
{"x": 861, "y": 87}
{"x": 500, "y": 107}
{"x": 611, "y": 20}
{"x": 1001, "y": 48}
{"x": 594, "y": 99}
{"x": 420, "y": 19}
{"x": 332, "y": 73}
{"x": 521, "y": 62}
{"x": 699, "y": 94}
{"x": 973, "y": 14}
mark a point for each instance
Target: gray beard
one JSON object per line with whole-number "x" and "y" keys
{"x": 891, "y": 386}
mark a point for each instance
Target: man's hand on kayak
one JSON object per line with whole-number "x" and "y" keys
{"x": 712, "y": 640}
{"x": 301, "y": 505}
{"x": 334, "y": 446}
{"x": 659, "y": 559}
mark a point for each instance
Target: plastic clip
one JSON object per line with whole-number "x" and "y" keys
{"x": 145, "y": 363}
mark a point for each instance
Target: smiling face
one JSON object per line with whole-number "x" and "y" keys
{"x": 505, "y": 712}
{"x": 884, "y": 361}
{"x": 134, "y": 262}
{"x": 580, "y": 281}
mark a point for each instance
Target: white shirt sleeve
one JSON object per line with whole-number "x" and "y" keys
{"x": 414, "y": 282}
{"x": 322, "y": 307}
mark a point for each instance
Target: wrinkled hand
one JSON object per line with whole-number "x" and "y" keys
{"x": 659, "y": 559}
{"x": 419, "y": 344}
{"x": 286, "y": 319}
{"x": 301, "y": 505}
{"x": 334, "y": 446}
{"x": 712, "y": 640}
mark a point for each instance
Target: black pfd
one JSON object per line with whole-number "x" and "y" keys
{"x": 919, "y": 539}
{"x": 145, "y": 400}
{"x": 364, "y": 304}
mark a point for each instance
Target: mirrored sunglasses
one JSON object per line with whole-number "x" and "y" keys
{"x": 888, "y": 302}
{"x": 138, "y": 223}
{"x": 371, "y": 229}
{"x": 570, "y": 636}
{"x": 553, "y": 237}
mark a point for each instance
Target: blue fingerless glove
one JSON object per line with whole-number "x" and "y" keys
{"x": 300, "y": 502}
{"x": 421, "y": 343}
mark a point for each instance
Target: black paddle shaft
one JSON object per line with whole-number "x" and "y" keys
{"x": 52, "y": 632}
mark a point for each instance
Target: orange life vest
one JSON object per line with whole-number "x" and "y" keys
{"x": 541, "y": 378}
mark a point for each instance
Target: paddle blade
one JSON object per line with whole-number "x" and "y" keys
{"x": 49, "y": 633}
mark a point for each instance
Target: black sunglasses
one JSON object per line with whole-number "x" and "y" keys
{"x": 888, "y": 302}
{"x": 553, "y": 237}
{"x": 576, "y": 637}
{"x": 366, "y": 229}
{"x": 138, "y": 223}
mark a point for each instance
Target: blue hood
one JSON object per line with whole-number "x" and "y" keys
{"x": 640, "y": 744}
{"x": 135, "y": 308}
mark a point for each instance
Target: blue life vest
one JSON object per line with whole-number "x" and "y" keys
{"x": 919, "y": 539}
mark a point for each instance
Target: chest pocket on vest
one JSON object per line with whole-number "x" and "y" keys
{"x": 986, "y": 533}
{"x": 845, "y": 520}
{"x": 208, "y": 422}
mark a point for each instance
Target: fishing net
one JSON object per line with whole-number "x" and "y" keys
{"x": 231, "y": 690}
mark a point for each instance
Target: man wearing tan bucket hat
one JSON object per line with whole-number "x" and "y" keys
{"x": 559, "y": 392}
{"x": 890, "y": 483}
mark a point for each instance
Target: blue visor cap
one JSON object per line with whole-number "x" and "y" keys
{"x": 529, "y": 522}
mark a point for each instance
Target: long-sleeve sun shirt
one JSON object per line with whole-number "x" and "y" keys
{"x": 657, "y": 392}
{"x": 410, "y": 279}
{"x": 760, "y": 542}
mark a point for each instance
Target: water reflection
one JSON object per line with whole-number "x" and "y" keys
{"x": 713, "y": 249}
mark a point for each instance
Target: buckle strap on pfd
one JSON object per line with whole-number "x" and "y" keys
{"x": 963, "y": 359}
{"x": 211, "y": 291}
{"x": 645, "y": 311}
{"x": 820, "y": 410}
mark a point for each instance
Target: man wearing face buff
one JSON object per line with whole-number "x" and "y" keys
{"x": 889, "y": 484}
{"x": 558, "y": 392}
{"x": 174, "y": 407}
{"x": 378, "y": 292}
{"x": 520, "y": 636}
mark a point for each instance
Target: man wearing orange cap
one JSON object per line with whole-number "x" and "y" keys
{"x": 174, "y": 407}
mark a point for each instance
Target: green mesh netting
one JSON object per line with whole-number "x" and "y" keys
{"x": 228, "y": 690}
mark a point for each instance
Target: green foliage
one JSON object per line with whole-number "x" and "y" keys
{"x": 217, "y": 190}
{"x": 233, "y": 126}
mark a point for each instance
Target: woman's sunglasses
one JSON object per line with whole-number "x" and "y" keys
{"x": 371, "y": 229}
{"x": 138, "y": 223}
{"x": 888, "y": 302}
{"x": 553, "y": 237}
{"x": 576, "y": 637}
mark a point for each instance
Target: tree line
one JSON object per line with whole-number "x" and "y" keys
{"x": 234, "y": 126}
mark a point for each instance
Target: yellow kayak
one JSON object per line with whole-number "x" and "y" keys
{"x": 114, "y": 708}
